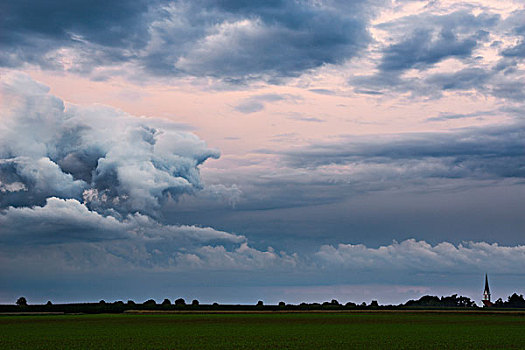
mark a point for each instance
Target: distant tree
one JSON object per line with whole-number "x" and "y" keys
{"x": 150, "y": 302}
{"x": 260, "y": 303}
{"x": 102, "y": 302}
{"x": 374, "y": 303}
{"x": 166, "y": 302}
{"x": 363, "y": 304}
{"x": 22, "y": 301}
{"x": 499, "y": 303}
{"x": 465, "y": 302}
{"x": 515, "y": 300}
{"x": 282, "y": 304}
{"x": 180, "y": 301}
{"x": 49, "y": 303}
{"x": 195, "y": 302}
{"x": 350, "y": 304}
{"x": 215, "y": 304}
{"x": 131, "y": 303}
{"x": 334, "y": 302}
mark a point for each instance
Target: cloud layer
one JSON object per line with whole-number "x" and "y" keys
{"x": 420, "y": 256}
{"x": 493, "y": 152}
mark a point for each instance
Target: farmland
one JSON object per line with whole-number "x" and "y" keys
{"x": 302, "y": 330}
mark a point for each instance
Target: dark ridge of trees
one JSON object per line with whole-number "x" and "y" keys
{"x": 454, "y": 301}
{"x": 514, "y": 301}
{"x": 434, "y": 301}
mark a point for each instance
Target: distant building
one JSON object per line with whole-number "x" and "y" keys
{"x": 486, "y": 293}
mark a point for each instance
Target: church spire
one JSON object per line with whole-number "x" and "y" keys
{"x": 486, "y": 292}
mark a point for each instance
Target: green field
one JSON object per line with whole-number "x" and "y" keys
{"x": 387, "y": 330}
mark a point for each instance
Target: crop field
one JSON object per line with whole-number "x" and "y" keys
{"x": 387, "y": 330}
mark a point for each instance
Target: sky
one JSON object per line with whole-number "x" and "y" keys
{"x": 233, "y": 151}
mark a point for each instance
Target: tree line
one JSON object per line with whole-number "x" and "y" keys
{"x": 427, "y": 301}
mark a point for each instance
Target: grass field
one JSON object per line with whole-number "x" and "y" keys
{"x": 387, "y": 330}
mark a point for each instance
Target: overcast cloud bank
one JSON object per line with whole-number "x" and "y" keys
{"x": 232, "y": 40}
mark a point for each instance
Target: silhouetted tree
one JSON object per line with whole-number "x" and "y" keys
{"x": 374, "y": 303}
{"x": 195, "y": 302}
{"x": 131, "y": 303}
{"x": 499, "y": 303}
{"x": 515, "y": 300}
{"x": 465, "y": 302}
{"x": 350, "y": 304}
{"x": 180, "y": 301}
{"x": 49, "y": 303}
{"x": 282, "y": 304}
{"x": 334, "y": 302}
{"x": 166, "y": 302}
{"x": 21, "y": 301}
{"x": 150, "y": 302}
{"x": 102, "y": 302}
{"x": 260, "y": 303}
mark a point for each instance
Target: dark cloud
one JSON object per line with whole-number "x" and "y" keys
{"x": 432, "y": 39}
{"x": 515, "y": 51}
{"x": 231, "y": 40}
{"x": 31, "y": 32}
{"x": 465, "y": 79}
{"x": 425, "y": 48}
{"x": 492, "y": 152}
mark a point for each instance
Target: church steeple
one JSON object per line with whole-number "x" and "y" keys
{"x": 486, "y": 293}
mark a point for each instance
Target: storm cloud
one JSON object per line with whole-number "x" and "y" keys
{"x": 231, "y": 40}
{"x": 113, "y": 162}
